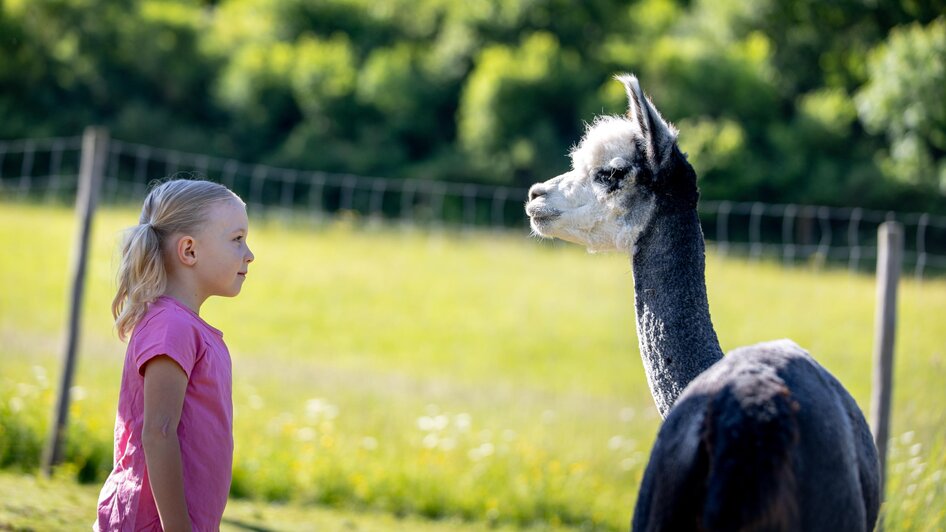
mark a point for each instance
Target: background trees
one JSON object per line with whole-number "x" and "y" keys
{"x": 777, "y": 100}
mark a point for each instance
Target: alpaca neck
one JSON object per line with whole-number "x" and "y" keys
{"x": 677, "y": 340}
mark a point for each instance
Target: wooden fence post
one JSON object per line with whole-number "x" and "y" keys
{"x": 889, "y": 257}
{"x": 91, "y": 170}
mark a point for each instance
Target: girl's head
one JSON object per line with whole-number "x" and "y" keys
{"x": 191, "y": 232}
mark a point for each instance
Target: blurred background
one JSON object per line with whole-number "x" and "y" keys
{"x": 401, "y": 361}
{"x": 791, "y": 101}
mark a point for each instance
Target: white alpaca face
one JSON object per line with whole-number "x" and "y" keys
{"x": 589, "y": 205}
{"x": 600, "y": 203}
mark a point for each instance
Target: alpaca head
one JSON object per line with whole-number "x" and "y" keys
{"x": 623, "y": 169}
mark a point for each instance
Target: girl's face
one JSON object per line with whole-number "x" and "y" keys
{"x": 223, "y": 256}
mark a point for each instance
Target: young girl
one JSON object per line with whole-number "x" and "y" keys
{"x": 174, "y": 432}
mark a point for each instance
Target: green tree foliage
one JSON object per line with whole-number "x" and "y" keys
{"x": 518, "y": 106}
{"x": 777, "y": 100}
{"x": 905, "y": 100}
{"x": 134, "y": 66}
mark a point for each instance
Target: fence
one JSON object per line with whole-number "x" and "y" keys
{"x": 47, "y": 169}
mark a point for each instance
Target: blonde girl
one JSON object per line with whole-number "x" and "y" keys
{"x": 173, "y": 431}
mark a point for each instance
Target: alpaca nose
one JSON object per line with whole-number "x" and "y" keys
{"x": 537, "y": 190}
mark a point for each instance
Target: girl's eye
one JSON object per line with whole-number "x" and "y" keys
{"x": 238, "y": 239}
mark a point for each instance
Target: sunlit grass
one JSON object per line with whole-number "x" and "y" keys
{"x": 31, "y": 503}
{"x": 485, "y": 376}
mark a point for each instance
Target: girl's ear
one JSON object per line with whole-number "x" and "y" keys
{"x": 187, "y": 250}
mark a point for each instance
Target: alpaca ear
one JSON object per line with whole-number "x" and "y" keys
{"x": 659, "y": 136}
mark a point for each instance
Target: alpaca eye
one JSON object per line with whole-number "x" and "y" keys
{"x": 604, "y": 175}
{"x": 610, "y": 177}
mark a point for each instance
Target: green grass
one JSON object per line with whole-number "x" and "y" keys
{"x": 30, "y": 503}
{"x": 484, "y": 377}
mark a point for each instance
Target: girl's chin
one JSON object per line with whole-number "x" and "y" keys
{"x": 233, "y": 291}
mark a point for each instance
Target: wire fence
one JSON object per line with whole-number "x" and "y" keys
{"x": 47, "y": 170}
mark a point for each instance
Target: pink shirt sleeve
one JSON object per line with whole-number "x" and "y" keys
{"x": 167, "y": 334}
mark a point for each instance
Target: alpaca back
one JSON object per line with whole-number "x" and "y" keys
{"x": 766, "y": 439}
{"x": 749, "y": 437}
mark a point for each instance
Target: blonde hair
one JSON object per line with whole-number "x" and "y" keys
{"x": 173, "y": 207}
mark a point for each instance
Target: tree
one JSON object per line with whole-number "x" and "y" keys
{"x": 518, "y": 110}
{"x": 905, "y": 100}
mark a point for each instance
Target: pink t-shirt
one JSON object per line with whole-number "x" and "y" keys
{"x": 205, "y": 430}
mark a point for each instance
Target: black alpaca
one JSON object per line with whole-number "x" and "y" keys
{"x": 763, "y": 438}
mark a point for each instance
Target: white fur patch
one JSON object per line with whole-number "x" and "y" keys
{"x": 576, "y": 208}
{"x": 587, "y": 214}
{"x": 607, "y": 138}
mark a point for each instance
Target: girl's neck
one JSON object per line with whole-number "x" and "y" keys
{"x": 185, "y": 295}
{"x": 676, "y": 335}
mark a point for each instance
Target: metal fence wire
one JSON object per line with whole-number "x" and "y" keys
{"x": 47, "y": 170}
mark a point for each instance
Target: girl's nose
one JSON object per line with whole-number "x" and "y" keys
{"x": 249, "y": 255}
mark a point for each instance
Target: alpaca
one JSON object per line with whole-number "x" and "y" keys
{"x": 762, "y": 438}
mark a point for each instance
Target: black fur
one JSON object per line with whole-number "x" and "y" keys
{"x": 749, "y": 437}
{"x": 612, "y": 179}
{"x": 761, "y": 439}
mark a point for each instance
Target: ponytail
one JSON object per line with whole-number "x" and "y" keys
{"x": 172, "y": 208}
{"x": 141, "y": 277}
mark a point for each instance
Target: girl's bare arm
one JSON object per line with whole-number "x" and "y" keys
{"x": 165, "y": 384}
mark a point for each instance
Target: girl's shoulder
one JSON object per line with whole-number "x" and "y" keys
{"x": 162, "y": 312}
{"x": 169, "y": 328}
{"x": 167, "y": 314}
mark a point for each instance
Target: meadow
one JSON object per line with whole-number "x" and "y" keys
{"x": 467, "y": 376}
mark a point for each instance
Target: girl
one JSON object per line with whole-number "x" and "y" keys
{"x": 174, "y": 432}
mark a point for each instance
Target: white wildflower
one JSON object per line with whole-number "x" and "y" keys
{"x": 426, "y": 423}
{"x": 305, "y": 434}
{"x": 77, "y": 393}
{"x": 462, "y": 422}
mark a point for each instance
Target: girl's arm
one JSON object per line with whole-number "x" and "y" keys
{"x": 165, "y": 384}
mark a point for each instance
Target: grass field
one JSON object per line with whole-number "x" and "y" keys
{"x": 28, "y": 503}
{"x": 478, "y": 377}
